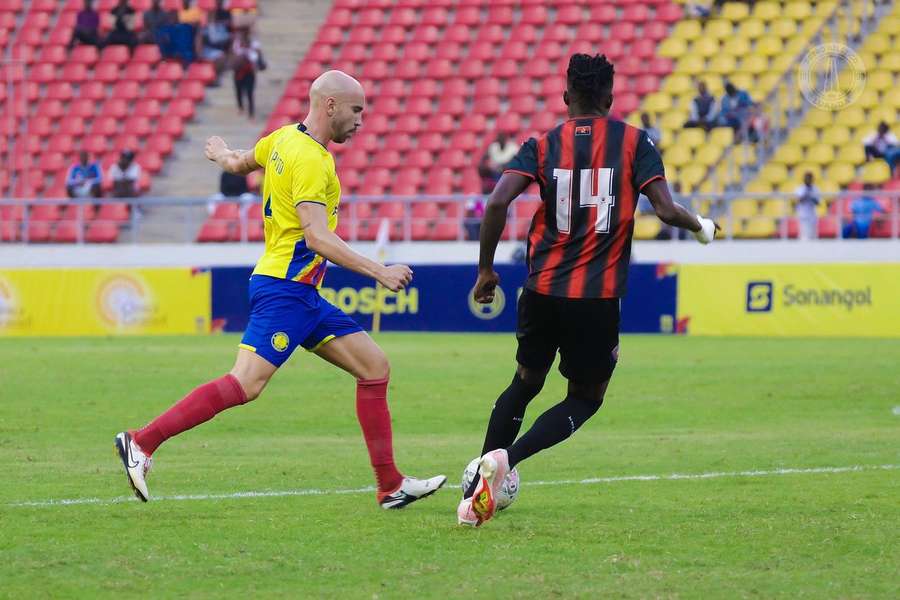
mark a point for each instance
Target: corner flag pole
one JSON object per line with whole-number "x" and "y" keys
{"x": 381, "y": 242}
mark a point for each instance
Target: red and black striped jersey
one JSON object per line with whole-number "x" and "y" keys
{"x": 590, "y": 171}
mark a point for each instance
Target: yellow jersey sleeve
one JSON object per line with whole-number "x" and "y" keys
{"x": 263, "y": 149}
{"x": 309, "y": 181}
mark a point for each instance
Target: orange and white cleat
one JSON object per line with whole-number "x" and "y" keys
{"x": 465, "y": 515}
{"x": 493, "y": 468}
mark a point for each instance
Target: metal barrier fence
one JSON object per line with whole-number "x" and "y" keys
{"x": 416, "y": 218}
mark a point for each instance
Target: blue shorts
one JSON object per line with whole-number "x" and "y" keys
{"x": 285, "y": 314}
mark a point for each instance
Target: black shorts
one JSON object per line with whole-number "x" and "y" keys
{"x": 585, "y": 331}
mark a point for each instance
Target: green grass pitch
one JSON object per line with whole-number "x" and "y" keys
{"x": 676, "y": 405}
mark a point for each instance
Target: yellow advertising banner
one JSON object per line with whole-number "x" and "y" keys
{"x": 790, "y": 300}
{"x": 104, "y": 301}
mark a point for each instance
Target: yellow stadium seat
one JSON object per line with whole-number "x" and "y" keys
{"x": 736, "y": 46}
{"x": 852, "y": 153}
{"x": 678, "y": 156}
{"x": 889, "y": 61}
{"x": 804, "y": 136}
{"x": 788, "y": 154}
{"x": 836, "y": 135}
{"x": 766, "y": 11}
{"x": 677, "y": 84}
{"x": 773, "y": 173}
{"x": 769, "y": 45}
{"x": 869, "y": 98}
{"x": 722, "y": 136}
{"x": 692, "y": 138}
{"x": 758, "y": 228}
{"x": 797, "y": 11}
{"x": 687, "y": 30}
{"x": 824, "y": 9}
{"x": 777, "y": 207}
{"x": 781, "y": 62}
{"x": 880, "y": 80}
{"x": 851, "y": 116}
{"x": 745, "y": 207}
{"x": 818, "y": 118}
{"x": 751, "y": 28}
{"x": 826, "y": 185}
{"x": 672, "y": 47}
{"x": 735, "y": 11}
{"x": 875, "y": 172}
{"x": 878, "y": 43}
{"x": 891, "y": 100}
{"x": 820, "y": 154}
{"x": 758, "y": 186}
{"x": 840, "y": 173}
{"x": 723, "y": 64}
{"x": 743, "y": 81}
{"x": 811, "y": 26}
{"x": 869, "y": 60}
{"x": 883, "y": 113}
{"x": 673, "y": 120}
{"x": 705, "y": 47}
{"x": 755, "y": 64}
{"x": 784, "y": 27}
{"x": 718, "y": 29}
{"x": 683, "y": 100}
{"x": 708, "y": 155}
{"x": 691, "y": 64}
{"x": 796, "y": 45}
{"x": 646, "y": 227}
{"x": 657, "y": 102}
{"x": 691, "y": 175}
{"x": 890, "y": 25}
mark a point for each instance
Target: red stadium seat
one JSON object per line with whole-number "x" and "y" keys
{"x": 66, "y": 232}
{"x": 505, "y": 69}
{"x": 535, "y": 15}
{"x": 115, "y": 54}
{"x": 159, "y": 90}
{"x": 523, "y": 105}
{"x": 193, "y": 90}
{"x": 10, "y": 231}
{"x": 182, "y": 107}
{"x": 410, "y": 70}
{"x": 107, "y": 72}
{"x": 44, "y": 212}
{"x": 636, "y": 13}
{"x": 481, "y": 51}
{"x": 486, "y": 87}
{"x": 486, "y": 105}
{"x": 508, "y": 122}
{"x": 449, "y": 51}
{"x": 551, "y": 50}
{"x": 410, "y": 124}
{"x": 74, "y": 73}
{"x": 55, "y": 55}
{"x": 417, "y": 51}
{"x": 386, "y": 52}
{"x": 393, "y": 35}
{"x": 136, "y": 72}
{"x": 105, "y": 126}
{"x": 494, "y": 34}
{"x": 426, "y": 88}
{"x": 454, "y": 106}
{"x": 500, "y": 14}
{"x": 668, "y": 13}
{"x": 50, "y": 108}
{"x": 437, "y": 16}
{"x": 468, "y": 16}
{"x": 457, "y": 34}
{"x": 75, "y": 212}
{"x": 422, "y": 158}
{"x": 114, "y": 212}
{"x": 173, "y": 71}
{"x": 440, "y": 123}
{"x": 404, "y": 17}
{"x": 60, "y": 90}
{"x": 228, "y": 211}
{"x": 102, "y": 233}
{"x": 465, "y": 141}
{"x": 514, "y": 49}
{"x": 431, "y": 141}
{"x": 147, "y": 53}
{"x": 475, "y": 123}
{"x": 419, "y": 106}
{"x": 43, "y": 73}
{"x": 31, "y": 37}
{"x": 150, "y": 161}
{"x": 38, "y": 232}
{"x": 447, "y": 230}
{"x": 603, "y": 13}
{"x": 455, "y": 87}
{"x": 147, "y": 107}
{"x": 660, "y": 66}
{"x": 387, "y": 159}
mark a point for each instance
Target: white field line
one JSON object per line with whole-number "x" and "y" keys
{"x": 369, "y": 490}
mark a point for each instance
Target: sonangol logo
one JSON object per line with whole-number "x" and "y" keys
{"x": 280, "y": 341}
{"x": 490, "y": 311}
{"x": 759, "y": 296}
{"x": 122, "y": 301}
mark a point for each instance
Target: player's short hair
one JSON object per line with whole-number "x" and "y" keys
{"x": 590, "y": 79}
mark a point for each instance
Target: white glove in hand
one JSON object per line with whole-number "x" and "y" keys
{"x": 707, "y": 230}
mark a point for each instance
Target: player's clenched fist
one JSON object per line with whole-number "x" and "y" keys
{"x": 214, "y": 147}
{"x": 395, "y": 277}
{"x": 485, "y": 286}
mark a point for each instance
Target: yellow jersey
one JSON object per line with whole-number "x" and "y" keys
{"x": 297, "y": 169}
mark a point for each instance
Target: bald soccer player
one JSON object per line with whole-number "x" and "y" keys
{"x": 302, "y": 193}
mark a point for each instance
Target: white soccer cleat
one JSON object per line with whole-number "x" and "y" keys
{"x": 707, "y": 231}
{"x": 137, "y": 464}
{"x": 410, "y": 490}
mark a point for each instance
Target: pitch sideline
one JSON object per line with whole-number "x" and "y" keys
{"x": 590, "y": 481}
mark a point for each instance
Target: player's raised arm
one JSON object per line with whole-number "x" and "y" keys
{"x": 237, "y": 162}
{"x": 323, "y": 241}
{"x": 672, "y": 213}
{"x": 509, "y": 187}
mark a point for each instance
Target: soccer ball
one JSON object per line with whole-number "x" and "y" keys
{"x": 508, "y": 491}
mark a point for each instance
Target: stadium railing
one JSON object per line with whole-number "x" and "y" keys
{"x": 17, "y": 217}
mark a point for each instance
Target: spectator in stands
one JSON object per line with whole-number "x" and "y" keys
{"x": 863, "y": 209}
{"x": 883, "y": 144}
{"x": 498, "y": 154}
{"x": 87, "y": 27}
{"x": 230, "y": 187}
{"x": 125, "y": 176}
{"x": 757, "y": 124}
{"x": 703, "y": 109}
{"x": 123, "y": 30}
{"x": 190, "y": 14}
{"x": 807, "y": 201}
{"x": 734, "y": 109}
{"x": 650, "y": 129}
{"x": 155, "y": 20}
{"x": 248, "y": 59}
{"x": 472, "y": 218}
{"x": 84, "y": 178}
{"x": 216, "y": 40}
{"x": 222, "y": 14}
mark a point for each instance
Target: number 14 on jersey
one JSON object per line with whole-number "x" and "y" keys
{"x": 595, "y": 190}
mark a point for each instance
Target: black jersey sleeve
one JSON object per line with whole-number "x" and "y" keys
{"x": 525, "y": 162}
{"x": 648, "y": 164}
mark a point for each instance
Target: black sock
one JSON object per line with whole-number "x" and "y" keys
{"x": 506, "y": 419}
{"x": 556, "y": 424}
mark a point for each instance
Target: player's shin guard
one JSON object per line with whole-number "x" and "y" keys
{"x": 555, "y": 425}
{"x": 199, "y": 406}
{"x": 375, "y": 421}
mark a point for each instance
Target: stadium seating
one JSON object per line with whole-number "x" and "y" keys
{"x": 829, "y": 145}
{"x": 442, "y": 78}
{"x": 100, "y": 101}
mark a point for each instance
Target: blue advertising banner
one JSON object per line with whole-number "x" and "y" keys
{"x": 439, "y": 299}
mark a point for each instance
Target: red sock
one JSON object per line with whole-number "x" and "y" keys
{"x": 199, "y": 406}
{"x": 375, "y": 420}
